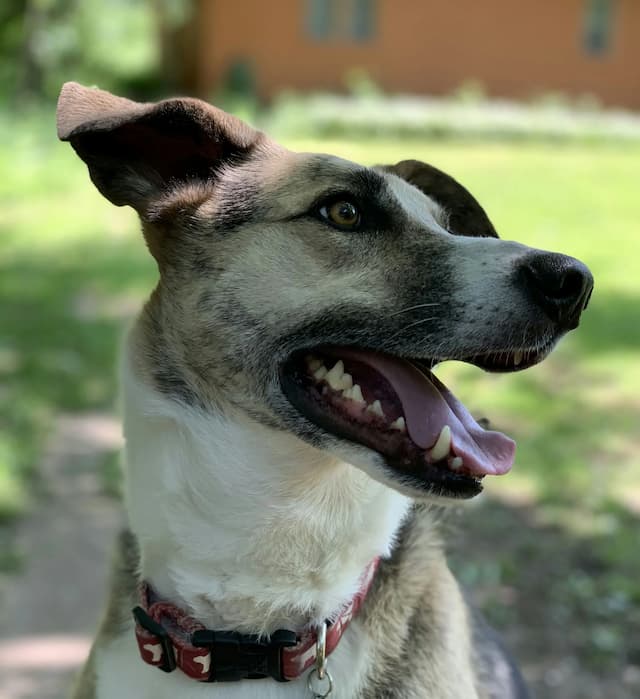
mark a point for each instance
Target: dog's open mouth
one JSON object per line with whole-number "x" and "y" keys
{"x": 400, "y": 409}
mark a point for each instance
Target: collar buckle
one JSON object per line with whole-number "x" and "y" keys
{"x": 237, "y": 656}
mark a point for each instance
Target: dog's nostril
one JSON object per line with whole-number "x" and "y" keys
{"x": 571, "y": 284}
{"x": 560, "y": 284}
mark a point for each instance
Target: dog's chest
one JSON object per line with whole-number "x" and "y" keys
{"x": 120, "y": 673}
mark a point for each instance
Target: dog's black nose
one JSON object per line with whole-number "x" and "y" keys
{"x": 560, "y": 284}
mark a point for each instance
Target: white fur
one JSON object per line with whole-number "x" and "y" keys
{"x": 249, "y": 529}
{"x": 416, "y": 204}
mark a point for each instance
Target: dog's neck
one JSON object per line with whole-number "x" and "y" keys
{"x": 247, "y": 528}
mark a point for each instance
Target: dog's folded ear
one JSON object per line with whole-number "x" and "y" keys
{"x": 465, "y": 216}
{"x": 137, "y": 151}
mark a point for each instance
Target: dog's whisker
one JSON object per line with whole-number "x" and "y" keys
{"x": 413, "y": 308}
{"x": 412, "y": 325}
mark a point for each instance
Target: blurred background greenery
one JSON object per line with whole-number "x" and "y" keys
{"x": 552, "y": 553}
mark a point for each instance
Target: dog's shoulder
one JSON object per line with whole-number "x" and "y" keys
{"x": 497, "y": 669}
{"x": 425, "y": 631}
{"x": 123, "y": 586}
{"x": 116, "y": 619}
{"x": 417, "y": 619}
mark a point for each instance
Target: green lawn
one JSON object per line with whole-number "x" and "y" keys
{"x": 73, "y": 269}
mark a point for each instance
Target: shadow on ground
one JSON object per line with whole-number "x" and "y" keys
{"x": 568, "y": 605}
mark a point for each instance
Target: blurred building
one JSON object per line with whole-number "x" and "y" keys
{"x": 514, "y": 48}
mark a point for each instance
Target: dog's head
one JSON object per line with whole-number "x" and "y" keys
{"x": 315, "y": 295}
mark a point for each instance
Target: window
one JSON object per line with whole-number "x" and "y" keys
{"x": 319, "y": 18}
{"x": 347, "y": 20}
{"x": 362, "y": 19}
{"x": 598, "y": 26}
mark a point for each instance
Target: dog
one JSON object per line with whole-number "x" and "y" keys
{"x": 288, "y": 447}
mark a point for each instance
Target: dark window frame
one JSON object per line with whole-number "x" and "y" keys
{"x": 598, "y": 27}
{"x": 341, "y": 20}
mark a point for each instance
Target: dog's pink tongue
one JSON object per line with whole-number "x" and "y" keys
{"x": 428, "y": 406}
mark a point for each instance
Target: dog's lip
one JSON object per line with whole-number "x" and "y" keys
{"x": 509, "y": 360}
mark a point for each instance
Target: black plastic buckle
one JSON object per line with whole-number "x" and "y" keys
{"x": 235, "y": 656}
{"x": 152, "y": 626}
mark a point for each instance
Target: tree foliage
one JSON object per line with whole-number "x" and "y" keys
{"x": 114, "y": 44}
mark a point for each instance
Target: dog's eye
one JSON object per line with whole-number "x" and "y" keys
{"x": 341, "y": 213}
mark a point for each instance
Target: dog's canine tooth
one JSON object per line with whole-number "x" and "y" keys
{"x": 356, "y": 394}
{"x": 399, "y": 424}
{"x": 320, "y": 373}
{"x": 375, "y": 408}
{"x": 517, "y": 358}
{"x": 443, "y": 444}
{"x": 456, "y": 463}
{"x": 334, "y": 377}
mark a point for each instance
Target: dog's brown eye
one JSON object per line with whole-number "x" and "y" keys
{"x": 342, "y": 213}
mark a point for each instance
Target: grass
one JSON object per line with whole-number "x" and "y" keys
{"x": 73, "y": 270}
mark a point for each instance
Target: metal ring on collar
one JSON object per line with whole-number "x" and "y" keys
{"x": 318, "y": 693}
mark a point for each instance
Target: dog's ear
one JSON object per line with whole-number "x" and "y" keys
{"x": 135, "y": 152}
{"x": 465, "y": 216}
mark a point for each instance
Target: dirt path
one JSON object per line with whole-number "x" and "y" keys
{"x": 48, "y": 612}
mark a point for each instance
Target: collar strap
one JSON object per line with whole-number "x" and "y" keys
{"x": 168, "y": 638}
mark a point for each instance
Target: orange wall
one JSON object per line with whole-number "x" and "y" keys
{"x": 514, "y": 47}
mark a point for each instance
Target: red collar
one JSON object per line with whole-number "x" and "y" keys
{"x": 169, "y": 638}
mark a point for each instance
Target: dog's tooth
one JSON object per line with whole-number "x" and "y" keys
{"x": 346, "y": 382}
{"x": 517, "y": 358}
{"x": 313, "y": 363}
{"x": 456, "y": 463}
{"x": 399, "y": 424}
{"x": 320, "y": 373}
{"x": 334, "y": 377}
{"x": 356, "y": 393}
{"x": 375, "y": 408}
{"x": 443, "y": 444}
